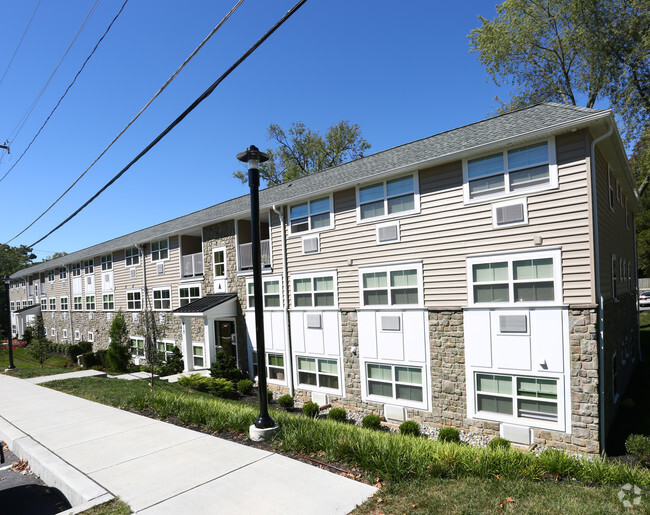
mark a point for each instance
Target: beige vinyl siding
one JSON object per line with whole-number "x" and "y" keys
{"x": 446, "y": 231}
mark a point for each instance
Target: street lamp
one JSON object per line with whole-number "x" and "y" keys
{"x": 11, "y": 366}
{"x": 264, "y": 425}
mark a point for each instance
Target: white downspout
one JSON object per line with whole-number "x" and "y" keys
{"x": 285, "y": 309}
{"x": 599, "y": 295}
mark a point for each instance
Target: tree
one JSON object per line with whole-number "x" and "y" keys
{"x": 38, "y": 344}
{"x": 12, "y": 259}
{"x": 301, "y": 151}
{"x": 118, "y": 355}
{"x": 54, "y": 256}
{"x": 562, "y": 50}
{"x": 640, "y": 165}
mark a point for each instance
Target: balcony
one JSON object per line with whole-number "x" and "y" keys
{"x": 192, "y": 265}
{"x": 246, "y": 255}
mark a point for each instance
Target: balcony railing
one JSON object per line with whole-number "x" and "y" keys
{"x": 192, "y": 265}
{"x": 246, "y": 254}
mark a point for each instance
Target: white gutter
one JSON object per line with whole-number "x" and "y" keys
{"x": 599, "y": 295}
{"x": 285, "y": 309}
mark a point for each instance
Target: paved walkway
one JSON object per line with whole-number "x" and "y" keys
{"x": 92, "y": 452}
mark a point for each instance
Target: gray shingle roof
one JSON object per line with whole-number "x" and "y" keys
{"x": 537, "y": 119}
{"x": 205, "y": 303}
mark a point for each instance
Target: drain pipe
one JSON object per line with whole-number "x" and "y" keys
{"x": 599, "y": 295}
{"x": 285, "y": 309}
{"x": 636, "y": 292}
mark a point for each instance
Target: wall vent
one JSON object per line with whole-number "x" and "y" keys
{"x": 134, "y": 273}
{"x": 314, "y": 321}
{"x": 388, "y": 233}
{"x": 391, "y": 323}
{"x": 310, "y": 245}
{"x": 160, "y": 268}
{"x": 513, "y": 323}
{"x": 510, "y": 213}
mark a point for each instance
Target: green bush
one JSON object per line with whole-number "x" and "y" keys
{"x": 226, "y": 367}
{"x": 286, "y": 401}
{"x": 338, "y": 414}
{"x": 371, "y": 422}
{"x": 639, "y": 446}
{"x": 245, "y": 386}
{"x": 85, "y": 347}
{"x": 220, "y": 387}
{"x": 409, "y": 427}
{"x": 173, "y": 365}
{"x": 558, "y": 464}
{"x": 118, "y": 356}
{"x": 195, "y": 382}
{"x": 310, "y": 409}
{"x": 498, "y": 443}
{"x": 269, "y": 396}
{"x": 89, "y": 360}
{"x": 449, "y": 434}
{"x": 73, "y": 351}
{"x": 100, "y": 356}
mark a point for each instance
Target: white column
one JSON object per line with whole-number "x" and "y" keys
{"x": 186, "y": 324}
{"x": 209, "y": 339}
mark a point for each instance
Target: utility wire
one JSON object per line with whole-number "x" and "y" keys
{"x": 164, "y": 86}
{"x": 65, "y": 93}
{"x": 20, "y": 42}
{"x": 180, "y": 118}
{"x": 23, "y": 120}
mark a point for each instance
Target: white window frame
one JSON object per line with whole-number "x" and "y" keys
{"x": 63, "y": 302}
{"x": 165, "y": 343}
{"x": 394, "y": 399}
{"x": 386, "y": 215}
{"x": 417, "y": 266}
{"x": 611, "y": 182}
{"x": 65, "y": 334}
{"x": 77, "y": 335}
{"x": 510, "y": 202}
{"x": 50, "y": 276}
{"x": 43, "y": 303}
{"x": 309, "y": 216}
{"x": 108, "y": 304}
{"x": 89, "y": 266}
{"x": 136, "y": 346}
{"x": 156, "y": 254}
{"x": 53, "y": 332}
{"x": 614, "y": 292}
{"x": 131, "y": 259}
{"x": 75, "y": 269}
{"x": 90, "y": 304}
{"x": 161, "y": 300}
{"x": 91, "y": 336}
{"x": 510, "y": 258}
{"x": 190, "y": 297}
{"x": 12, "y": 306}
{"x": 265, "y": 280}
{"x": 507, "y": 192}
{"x": 202, "y": 356}
{"x": 133, "y": 301}
{"x": 312, "y": 277}
{"x": 63, "y": 273}
{"x": 317, "y": 387}
{"x": 52, "y": 304}
{"x": 107, "y": 262}
{"x": 224, "y": 262}
{"x": 78, "y": 303}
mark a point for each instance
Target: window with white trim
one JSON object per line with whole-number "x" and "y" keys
{"x": 77, "y": 334}
{"x": 394, "y": 197}
{"x": 132, "y": 256}
{"x": 160, "y": 250}
{"x": 614, "y": 275}
{"x": 517, "y": 396}
{"x": 64, "y": 303}
{"x": 275, "y": 366}
{"x": 52, "y": 303}
{"x": 53, "y": 332}
{"x": 189, "y": 294}
{"x": 108, "y": 302}
{"x": 134, "y": 300}
{"x": 396, "y": 382}
{"x": 75, "y": 269}
{"x": 89, "y": 266}
{"x": 137, "y": 346}
{"x": 395, "y": 285}
{"x": 50, "y": 276}
{"x": 508, "y": 172}
{"x": 63, "y": 273}
{"x": 162, "y": 299}
{"x": 219, "y": 262}
{"x": 65, "y": 334}
{"x": 25, "y": 304}
{"x": 91, "y": 336}
{"x": 318, "y": 372}
{"x": 271, "y": 293}
{"x": 314, "y": 291}
{"x": 107, "y": 262}
{"x": 517, "y": 278}
{"x": 90, "y": 303}
{"x": 165, "y": 348}
{"x": 611, "y": 182}
{"x": 197, "y": 355}
{"x": 12, "y": 305}
{"x": 313, "y": 215}
{"x": 77, "y": 303}
{"x": 44, "y": 304}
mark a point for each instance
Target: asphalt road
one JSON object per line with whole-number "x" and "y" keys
{"x": 26, "y": 493}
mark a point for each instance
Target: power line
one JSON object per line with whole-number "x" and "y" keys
{"x": 164, "y": 86}
{"x": 180, "y": 118}
{"x": 66, "y": 91}
{"x": 20, "y": 42}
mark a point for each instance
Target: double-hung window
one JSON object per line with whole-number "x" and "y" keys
{"x": 518, "y": 278}
{"x": 52, "y": 303}
{"x": 270, "y": 292}
{"x": 393, "y": 197}
{"x": 219, "y": 262}
{"x": 107, "y": 262}
{"x": 89, "y": 266}
{"x": 165, "y": 348}
{"x": 50, "y": 276}
{"x": 137, "y": 347}
{"x": 44, "y": 304}
{"x": 131, "y": 257}
{"x": 189, "y": 294}
{"x": 314, "y": 291}
{"x": 162, "y": 299}
{"x": 108, "y": 302}
{"x": 511, "y": 171}
{"x": 77, "y": 303}
{"x": 318, "y": 372}
{"x": 90, "y": 303}
{"x": 63, "y": 273}
{"x": 75, "y": 269}
{"x": 311, "y": 216}
{"x": 159, "y": 250}
{"x": 64, "y": 303}
{"x": 397, "y": 382}
{"x": 396, "y": 285}
{"x": 133, "y": 300}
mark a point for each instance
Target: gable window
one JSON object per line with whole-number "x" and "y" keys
{"x": 132, "y": 257}
{"x": 310, "y": 216}
{"x": 219, "y": 262}
{"x": 64, "y": 303}
{"x": 397, "y": 285}
{"x": 314, "y": 291}
{"x": 52, "y": 303}
{"x": 270, "y": 293}
{"x": 108, "y": 302}
{"x": 520, "y": 278}
{"x": 502, "y": 173}
{"x": 133, "y": 300}
{"x": 89, "y": 266}
{"x": 77, "y": 303}
{"x": 162, "y": 299}
{"x": 107, "y": 262}
{"x": 189, "y": 294}
{"x": 160, "y": 250}
{"x": 388, "y": 198}
{"x": 75, "y": 269}
{"x": 90, "y": 303}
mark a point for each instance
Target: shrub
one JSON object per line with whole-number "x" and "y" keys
{"x": 245, "y": 386}
{"x": 639, "y": 446}
{"x": 286, "y": 401}
{"x": 118, "y": 356}
{"x": 195, "y": 382}
{"x": 498, "y": 443}
{"x": 220, "y": 387}
{"x": 371, "y": 422}
{"x": 85, "y": 347}
{"x": 89, "y": 360}
{"x": 174, "y": 364}
{"x": 338, "y": 414}
{"x": 269, "y": 396}
{"x": 225, "y": 367}
{"x": 101, "y": 357}
{"x": 449, "y": 434}
{"x": 409, "y": 427}
{"x": 310, "y": 409}
{"x": 73, "y": 351}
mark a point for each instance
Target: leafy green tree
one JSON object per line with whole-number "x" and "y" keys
{"x": 640, "y": 165}
{"x": 38, "y": 346}
{"x": 301, "y": 151}
{"x": 12, "y": 259}
{"x": 118, "y": 355}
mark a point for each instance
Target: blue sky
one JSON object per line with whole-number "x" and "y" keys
{"x": 401, "y": 70}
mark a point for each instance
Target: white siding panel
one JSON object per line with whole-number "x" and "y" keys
{"x": 547, "y": 338}
{"x": 367, "y": 334}
{"x": 297, "y": 331}
{"x": 332, "y": 329}
{"x": 478, "y": 344}
{"x": 314, "y": 339}
{"x": 415, "y": 327}
{"x": 390, "y": 344}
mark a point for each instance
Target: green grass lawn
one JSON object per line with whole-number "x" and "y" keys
{"x": 28, "y": 366}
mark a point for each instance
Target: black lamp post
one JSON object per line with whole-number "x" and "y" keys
{"x": 253, "y": 157}
{"x": 11, "y": 366}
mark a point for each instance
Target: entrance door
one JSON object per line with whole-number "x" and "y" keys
{"x": 226, "y": 339}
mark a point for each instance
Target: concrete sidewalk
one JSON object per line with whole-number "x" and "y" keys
{"x": 92, "y": 452}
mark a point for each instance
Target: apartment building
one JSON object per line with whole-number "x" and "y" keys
{"x": 483, "y": 278}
